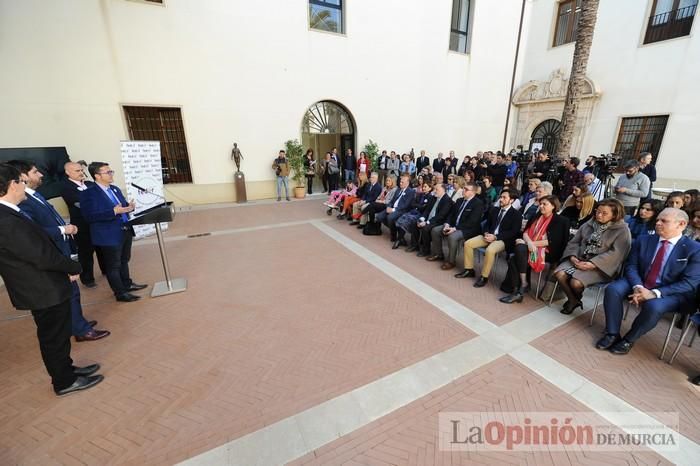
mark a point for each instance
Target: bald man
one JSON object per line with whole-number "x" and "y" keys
{"x": 70, "y": 191}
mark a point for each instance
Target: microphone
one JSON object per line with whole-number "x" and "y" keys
{"x": 144, "y": 190}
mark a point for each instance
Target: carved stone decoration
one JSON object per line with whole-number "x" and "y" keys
{"x": 552, "y": 89}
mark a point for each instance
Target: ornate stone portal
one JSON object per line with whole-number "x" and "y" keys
{"x": 537, "y": 101}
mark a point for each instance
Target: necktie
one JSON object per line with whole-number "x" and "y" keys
{"x": 43, "y": 200}
{"x": 464, "y": 205}
{"x": 655, "y": 270}
{"x": 125, "y": 218}
{"x": 434, "y": 209}
{"x": 398, "y": 199}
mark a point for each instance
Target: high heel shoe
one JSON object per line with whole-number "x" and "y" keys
{"x": 516, "y": 297}
{"x": 570, "y": 307}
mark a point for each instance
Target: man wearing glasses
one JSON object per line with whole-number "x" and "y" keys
{"x": 106, "y": 210}
{"x": 38, "y": 277}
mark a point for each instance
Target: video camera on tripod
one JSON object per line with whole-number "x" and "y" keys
{"x": 605, "y": 165}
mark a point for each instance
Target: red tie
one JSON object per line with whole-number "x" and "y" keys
{"x": 655, "y": 270}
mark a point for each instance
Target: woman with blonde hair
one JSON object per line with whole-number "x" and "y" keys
{"x": 581, "y": 211}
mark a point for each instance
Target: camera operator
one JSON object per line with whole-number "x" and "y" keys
{"x": 543, "y": 165}
{"x": 589, "y": 165}
{"x": 631, "y": 188}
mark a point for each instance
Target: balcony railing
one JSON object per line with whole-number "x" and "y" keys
{"x": 674, "y": 23}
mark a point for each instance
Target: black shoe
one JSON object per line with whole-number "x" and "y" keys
{"x": 340, "y": 216}
{"x": 411, "y": 249}
{"x": 466, "y": 274}
{"x": 360, "y": 226}
{"x": 136, "y": 287}
{"x": 81, "y": 383}
{"x": 422, "y": 254}
{"x": 506, "y": 289}
{"x": 90, "y": 285}
{"x": 354, "y": 222}
{"x": 621, "y": 347}
{"x": 128, "y": 298}
{"x": 516, "y": 297}
{"x": 481, "y": 282}
{"x": 87, "y": 370}
{"x": 695, "y": 380}
{"x": 570, "y": 307}
{"x": 607, "y": 341}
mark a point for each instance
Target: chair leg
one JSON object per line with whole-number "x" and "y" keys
{"x": 595, "y": 306}
{"x": 692, "y": 339}
{"x": 539, "y": 282}
{"x": 554, "y": 291}
{"x": 688, "y": 327}
{"x": 668, "y": 335}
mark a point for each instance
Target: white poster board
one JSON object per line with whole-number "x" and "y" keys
{"x": 536, "y": 146}
{"x": 142, "y": 166}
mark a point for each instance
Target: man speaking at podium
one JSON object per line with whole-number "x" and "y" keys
{"x": 106, "y": 210}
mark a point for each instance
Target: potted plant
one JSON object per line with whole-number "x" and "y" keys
{"x": 372, "y": 151}
{"x": 295, "y": 156}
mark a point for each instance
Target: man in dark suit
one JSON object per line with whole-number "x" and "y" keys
{"x": 502, "y": 229}
{"x": 464, "y": 223}
{"x": 38, "y": 278}
{"x": 36, "y": 207}
{"x": 104, "y": 207}
{"x": 438, "y": 164}
{"x": 422, "y": 162}
{"x": 438, "y": 212}
{"x": 398, "y": 206}
{"x": 70, "y": 192}
{"x": 662, "y": 275}
{"x": 372, "y": 192}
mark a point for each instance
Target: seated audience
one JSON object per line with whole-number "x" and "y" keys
{"x": 372, "y": 192}
{"x": 502, "y": 228}
{"x": 578, "y": 191}
{"x": 396, "y": 205}
{"x": 644, "y": 223}
{"x": 379, "y": 205}
{"x": 595, "y": 186}
{"x": 595, "y": 254}
{"x": 435, "y": 214}
{"x": 690, "y": 197}
{"x": 488, "y": 191}
{"x": 532, "y": 185}
{"x": 662, "y": 275}
{"x": 581, "y": 211}
{"x": 464, "y": 223}
{"x": 339, "y": 195}
{"x": 692, "y": 231}
{"x": 532, "y": 207}
{"x": 675, "y": 199}
{"x": 543, "y": 241}
{"x": 407, "y": 222}
{"x": 458, "y": 192}
{"x": 346, "y": 209}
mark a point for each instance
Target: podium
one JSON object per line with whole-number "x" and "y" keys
{"x": 162, "y": 213}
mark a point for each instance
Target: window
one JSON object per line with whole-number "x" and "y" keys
{"x": 326, "y": 15}
{"x": 567, "y": 22}
{"x": 459, "y": 29}
{"x": 164, "y": 125}
{"x": 670, "y": 19}
{"x": 640, "y": 134}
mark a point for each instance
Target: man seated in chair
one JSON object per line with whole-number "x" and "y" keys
{"x": 502, "y": 229}
{"x": 661, "y": 275}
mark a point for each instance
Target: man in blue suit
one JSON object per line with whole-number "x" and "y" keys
{"x": 106, "y": 210}
{"x": 662, "y": 275}
{"x": 38, "y": 209}
{"x": 372, "y": 192}
{"x": 399, "y": 205}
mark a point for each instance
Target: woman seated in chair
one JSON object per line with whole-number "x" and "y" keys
{"x": 595, "y": 254}
{"x": 543, "y": 242}
{"x": 644, "y": 223}
{"x": 581, "y": 211}
{"x": 693, "y": 229}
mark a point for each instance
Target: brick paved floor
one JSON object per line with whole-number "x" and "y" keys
{"x": 276, "y": 321}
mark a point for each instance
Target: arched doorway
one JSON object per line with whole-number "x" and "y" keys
{"x": 326, "y": 125}
{"x": 546, "y": 135}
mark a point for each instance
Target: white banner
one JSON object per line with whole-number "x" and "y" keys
{"x": 142, "y": 167}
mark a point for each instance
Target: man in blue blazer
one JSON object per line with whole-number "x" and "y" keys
{"x": 372, "y": 192}
{"x": 399, "y": 205}
{"x": 106, "y": 210}
{"x": 38, "y": 209}
{"x": 662, "y": 275}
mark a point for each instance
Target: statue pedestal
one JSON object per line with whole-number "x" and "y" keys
{"x": 239, "y": 184}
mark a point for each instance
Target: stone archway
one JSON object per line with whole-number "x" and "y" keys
{"x": 539, "y": 101}
{"x": 325, "y": 125}
{"x": 545, "y": 135}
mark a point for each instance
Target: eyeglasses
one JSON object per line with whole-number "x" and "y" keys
{"x": 108, "y": 172}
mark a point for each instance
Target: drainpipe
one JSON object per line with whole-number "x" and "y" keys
{"x": 512, "y": 81}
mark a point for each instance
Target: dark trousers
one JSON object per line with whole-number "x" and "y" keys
{"x": 85, "y": 252}
{"x": 373, "y": 209}
{"x": 79, "y": 326}
{"x": 53, "y": 329}
{"x": 649, "y": 314}
{"x": 333, "y": 181}
{"x": 426, "y": 238}
{"x": 116, "y": 260}
{"x": 390, "y": 221}
{"x": 517, "y": 264}
{"x": 324, "y": 180}
{"x": 309, "y": 184}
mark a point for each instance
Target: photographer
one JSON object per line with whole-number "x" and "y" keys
{"x": 543, "y": 165}
{"x": 281, "y": 167}
{"x": 631, "y": 188}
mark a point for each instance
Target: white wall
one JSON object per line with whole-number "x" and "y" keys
{"x": 634, "y": 79}
{"x": 246, "y": 72}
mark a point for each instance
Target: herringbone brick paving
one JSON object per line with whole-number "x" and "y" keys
{"x": 639, "y": 378}
{"x": 273, "y": 322}
{"x": 409, "y": 435}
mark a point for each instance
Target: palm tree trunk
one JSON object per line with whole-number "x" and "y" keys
{"x": 584, "y": 39}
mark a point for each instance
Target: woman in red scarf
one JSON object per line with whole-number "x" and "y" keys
{"x": 543, "y": 241}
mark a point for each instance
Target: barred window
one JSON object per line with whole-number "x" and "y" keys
{"x": 567, "y": 22}
{"x": 164, "y": 125}
{"x": 641, "y": 134}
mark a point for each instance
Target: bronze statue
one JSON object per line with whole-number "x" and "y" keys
{"x": 236, "y": 156}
